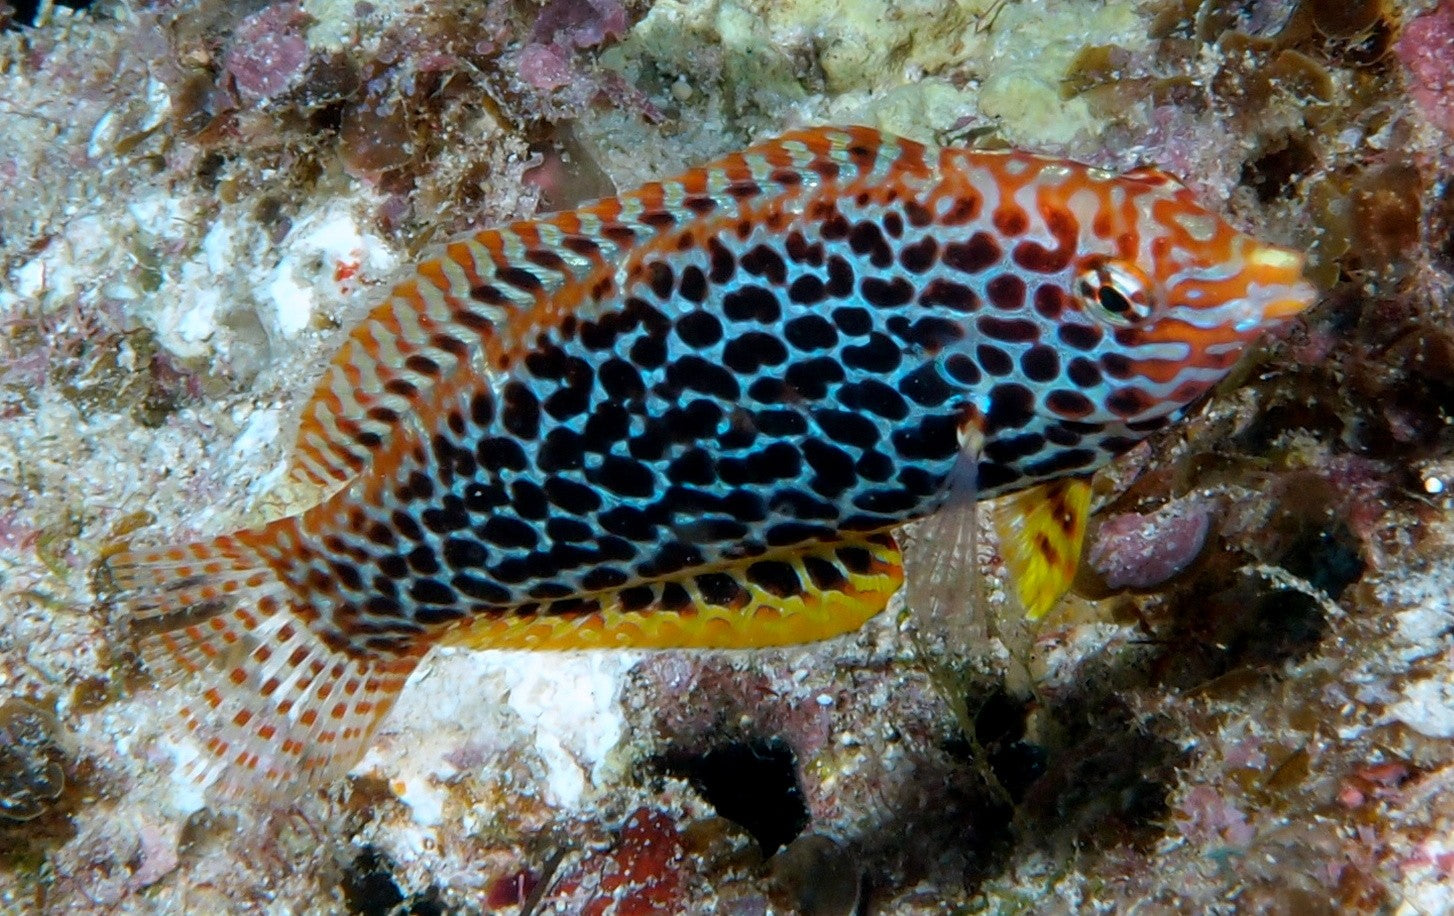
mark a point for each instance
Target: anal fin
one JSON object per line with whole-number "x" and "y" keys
{"x": 804, "y": 595}
{"x": 1041, "y": 532}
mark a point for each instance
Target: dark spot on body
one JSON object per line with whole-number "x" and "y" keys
{"x": 1070, "y": 459}
{"x": 752, "y": 303}
{"x": 919, "y": 256}
{"x": 721, "y": 590}
{"x": 930, "y": 334}
{"x": 508, "y": 532}
{"x": 807, "y": 290}
{"x": 649, "y": 352}
{"x": 628, "y": 522}
{"x": 563, "y": 449}
{"x": 520, "y": 411}
{"x": 722, "y": 264}
{"x": 1117, "y": 366}
{"x": 846, "y": 427}
{"x": 520, "y": 278}
{"x": 962, "y": 369}
{"x": 1079, "y": 336}
{"x": 964, "y": 210}
{"x": 1011, "y": 407}
{"x": 866, "y": 238}
{"x": 695, "y": 420}
{"x": 1008, "y": 449}
{"x": 886, "y": 294}
{"x": 1034, "y": 257}
{"x": 878, "y": 355}
{"x": 918, "y": 214}
{"x": 775, "y": 577}
{"x": 528, "y": 500}
{"x": 660, "y": 278}
{"x": 1083, "y": 372}
{"x": 693, "y": 284}
{"x": 950, "y": 295}
{"x": 852, "y": 320}
{"x": 1127, "y": 402}
{"x": 1008, "y": 330}
{"x": 1007, "y": 292}
{"x": 430, "y": 591}
{"x": 875, "y": 397}
{"x": 1049, "y": 301}
{"x": 993, "y": 360}
{"x": 764, "y": 261}
{"x": 751, "y": 351}
{"x": 620, "y": 380}
{"x": 857, "y": 560}
{"x": 421, "y": 364}
{"x": 811, "y": 378}
{"x": 446, "y": 518}
{"x": 925, "y": 386}
{"x": 810, "y": 332}
{"x": 463, "y": 553}
{"x": 693, "y": 373}
{"x": 974, "y": 255}
{"x": 1040, "y": 363}
{"x": 1011, "y": 220}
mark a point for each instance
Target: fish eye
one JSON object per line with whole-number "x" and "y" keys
{"x": 1115, "y": 293}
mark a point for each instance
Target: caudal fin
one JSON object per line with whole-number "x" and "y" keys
{"x": 277, "y": 706}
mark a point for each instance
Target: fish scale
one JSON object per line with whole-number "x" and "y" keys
{"x": 693, "y": 415}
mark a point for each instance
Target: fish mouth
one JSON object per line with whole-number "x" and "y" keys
{"x": 1278, "y": 272}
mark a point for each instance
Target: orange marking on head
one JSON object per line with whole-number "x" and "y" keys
{"x": 1010, "y": 220}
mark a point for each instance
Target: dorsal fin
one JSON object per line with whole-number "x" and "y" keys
{"x": 482, "y": 300}
{"x": 793, "y": 596}
{"x": 453, "y": 315}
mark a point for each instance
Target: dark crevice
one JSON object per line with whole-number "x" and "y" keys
{"x": 369, "y": 889}
{"x": 753, "y": 783}
{"x": 999, "y": 728}
{"x": 25, "y": 11}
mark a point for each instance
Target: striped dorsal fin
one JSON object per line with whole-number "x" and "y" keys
{"x": 793, "y": 596}
{"x": 482, "y": 301}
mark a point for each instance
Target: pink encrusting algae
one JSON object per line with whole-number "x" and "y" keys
{"x": 694, "y": 416}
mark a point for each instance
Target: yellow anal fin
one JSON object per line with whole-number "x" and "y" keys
{"x": 788, "y": 597}
{"x": 1041, "y": 532}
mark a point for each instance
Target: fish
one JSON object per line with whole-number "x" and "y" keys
{"x": 696, "y": 415}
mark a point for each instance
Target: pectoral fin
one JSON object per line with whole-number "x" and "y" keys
{"x": 804, "y": 595}
{"x": 1041, "y": 532}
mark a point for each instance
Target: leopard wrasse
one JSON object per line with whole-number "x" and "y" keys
{"x": 694, "y": 415}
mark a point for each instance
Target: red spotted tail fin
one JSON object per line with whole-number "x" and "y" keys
{"x": 281, "y": 701}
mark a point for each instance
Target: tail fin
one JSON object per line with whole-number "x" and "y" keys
{"x": 279, "y": 707}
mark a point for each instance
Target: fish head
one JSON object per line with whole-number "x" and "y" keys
{"x": 1163, "y": 295}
